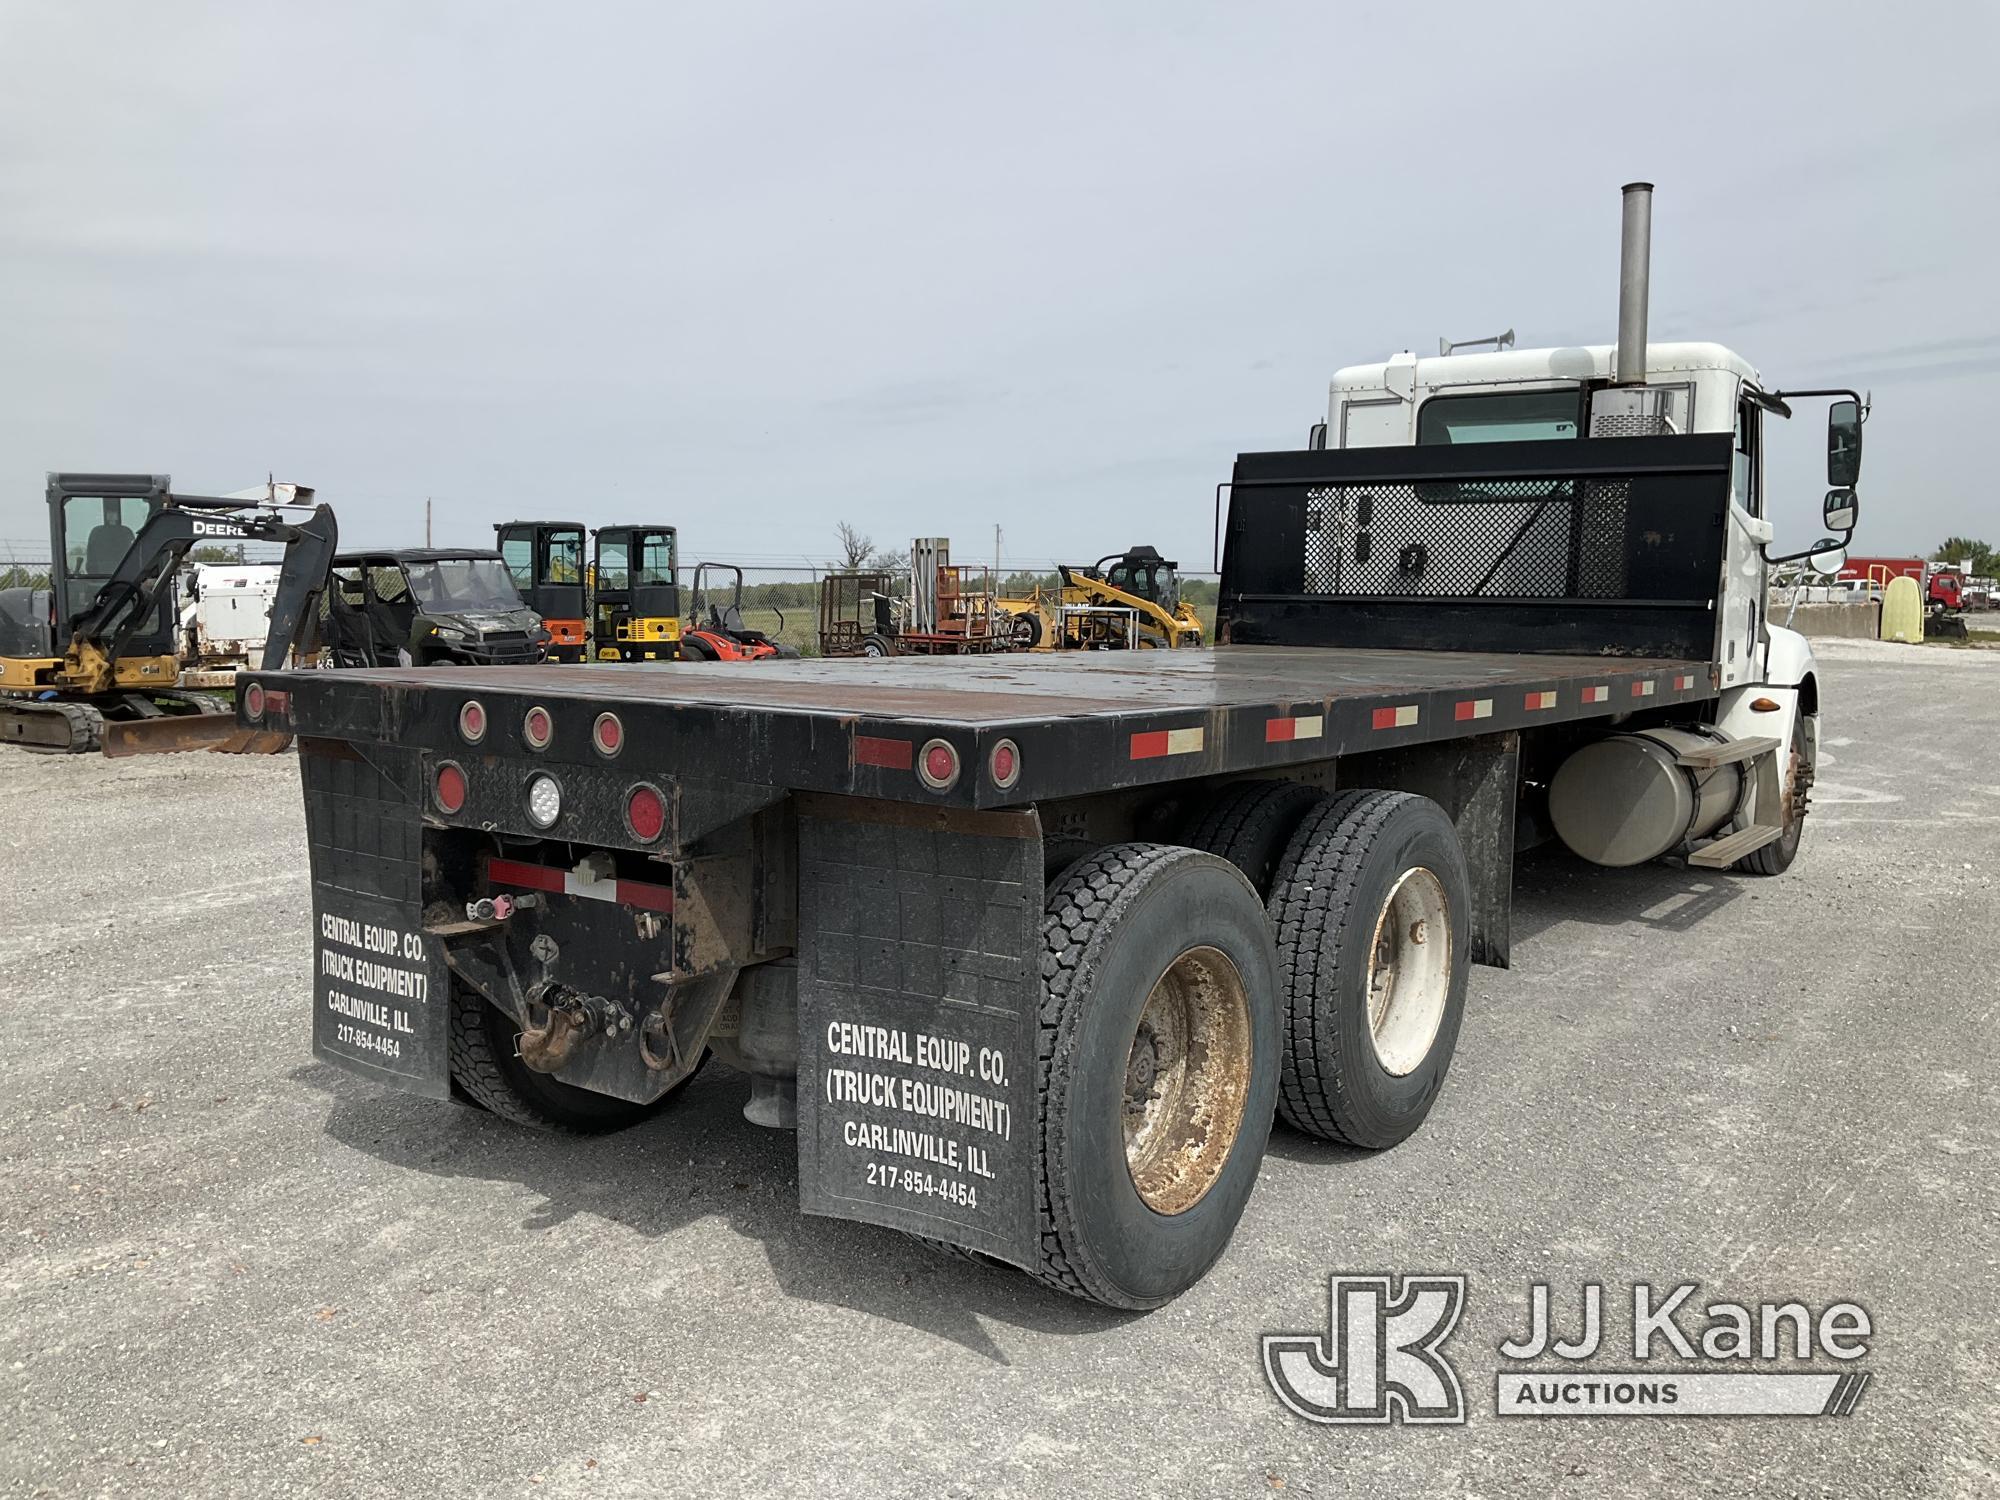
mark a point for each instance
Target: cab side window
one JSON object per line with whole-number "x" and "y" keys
{"x": 1745, "y": 486}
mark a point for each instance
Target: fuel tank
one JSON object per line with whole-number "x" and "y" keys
{"x": 1626, "y": 798}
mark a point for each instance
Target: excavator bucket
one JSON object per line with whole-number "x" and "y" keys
{"x": 173, "y": 733}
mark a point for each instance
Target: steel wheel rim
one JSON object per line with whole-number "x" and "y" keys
{"x": 1409, "y": 971}
{"x": 1187, "y": 1078}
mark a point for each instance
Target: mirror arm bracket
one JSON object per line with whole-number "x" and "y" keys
{"x": 1845, "y": 537}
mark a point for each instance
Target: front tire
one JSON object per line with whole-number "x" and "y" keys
{"x": 486, "y": 1067}
{"x": 1158, "y": 1070}
{"x": 1776, "y": 857}
{"x": 1370, "y": 905}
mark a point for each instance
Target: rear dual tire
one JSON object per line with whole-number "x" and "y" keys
{"x": 1157, "y": 1067}
{"x": 1370, "y": 907}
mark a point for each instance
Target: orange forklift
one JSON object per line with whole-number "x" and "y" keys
{"x": 546, "y": 561}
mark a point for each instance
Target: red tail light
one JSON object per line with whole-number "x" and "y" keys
{"x": 608, "y": 734}
{"x": 937, "y": 765}
{"x": 537, "y": 728}
{"x": 253, "y": 701}
{"x": 646, "y": 813}
{"x": 472, "y": 722}
{"x": 1004, "y": 764}
{"x": 448, "y": 787}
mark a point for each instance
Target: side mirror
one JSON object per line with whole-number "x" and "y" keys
{"x": 1316, "y": 436}
{"x": 1841, "y": 508}
{"x": 1827, "y": 557}
{"x": 1843, "y": 444}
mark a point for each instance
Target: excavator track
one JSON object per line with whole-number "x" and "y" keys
{"x": 197, "y": 703}
{"x": 52, "y": 728}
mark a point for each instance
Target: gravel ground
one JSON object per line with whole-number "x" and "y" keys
{"x": 226, "y": 1269}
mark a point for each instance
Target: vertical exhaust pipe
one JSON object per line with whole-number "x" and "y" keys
{"x": 1635, "y": 265}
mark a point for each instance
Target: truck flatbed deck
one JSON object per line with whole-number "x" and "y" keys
{"x": 1078, "y": 723}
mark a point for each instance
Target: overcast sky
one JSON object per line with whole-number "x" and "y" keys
{"x": 930, "y": 267}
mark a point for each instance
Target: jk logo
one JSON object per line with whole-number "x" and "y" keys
{"x": 1378, "y": 1360}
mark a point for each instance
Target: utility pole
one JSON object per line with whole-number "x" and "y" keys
{"x": 427, "y": 520}
{"x": 996, "y": 554}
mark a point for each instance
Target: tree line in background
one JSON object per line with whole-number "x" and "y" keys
{"x": 1979, "y": 560}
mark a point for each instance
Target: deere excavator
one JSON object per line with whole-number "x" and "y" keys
{"x": 89, "y": 661}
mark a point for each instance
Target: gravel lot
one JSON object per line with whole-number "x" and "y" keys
{"x": 226, "y": 1269}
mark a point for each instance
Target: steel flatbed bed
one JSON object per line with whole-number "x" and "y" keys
{"x": 1080, "y": 724}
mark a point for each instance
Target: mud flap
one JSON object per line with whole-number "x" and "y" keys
{"x": 918, "y": 993}
{"x": 381, "y": 1003}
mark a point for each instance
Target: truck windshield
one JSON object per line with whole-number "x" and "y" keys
{"x": 454, "y": 584}
{"x": 1501, "y": 417}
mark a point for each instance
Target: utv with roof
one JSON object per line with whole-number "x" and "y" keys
{"x": 424, "y": 607}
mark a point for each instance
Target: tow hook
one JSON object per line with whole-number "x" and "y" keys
{"x": 572, "y": 1018}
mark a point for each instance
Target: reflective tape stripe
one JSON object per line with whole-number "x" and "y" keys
{"x": 1546, "y": 699}
{"x": 1598, "y": 693}
{"x": 1683, "y": 683}
{"x": 534, "y": 877}
{"x": 1400, "y": 717}
{"x": 1473, "y": 708}
{"x": 1301, "y": 727}
{"x": 557, "y": 882}
{"x": 1157, "y": 742}
{"x": 894, "y": 755}
{"x": 1643, "y": 689}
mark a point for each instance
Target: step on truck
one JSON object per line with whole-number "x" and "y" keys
{"x": 1029, "y": 951}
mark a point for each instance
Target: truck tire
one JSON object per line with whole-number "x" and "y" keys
{"x": 1776, "y": 857}
{"x": 1157, "y": 1069}
{"x": 486, "y": 1067}
{"x": 1371, "y": 998}
{"x": 1250, "y": 823}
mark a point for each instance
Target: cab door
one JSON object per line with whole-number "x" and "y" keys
{"x": 1739, "y": 651}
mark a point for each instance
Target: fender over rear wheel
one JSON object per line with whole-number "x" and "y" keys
{"x": 1158, "y": 1070}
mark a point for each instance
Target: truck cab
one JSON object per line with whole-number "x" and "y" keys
{"x": 1553, "y": 395}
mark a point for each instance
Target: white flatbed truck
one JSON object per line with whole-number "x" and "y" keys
{"x": 1029, "y": 950}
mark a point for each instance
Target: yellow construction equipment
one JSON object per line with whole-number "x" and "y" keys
{"x": 1128, "y": 599}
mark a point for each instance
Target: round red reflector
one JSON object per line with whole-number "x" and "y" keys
{"x": 608, "y": 734}
{"x": 937, "y": 765}
{"x": 472, "y": 723}
{"x": 538, "y": 728}
{"x": 1006, "y": 764}
{"x": 449, "y": 788}
{"x": 646, "y": 813}
{"x": 253, "y": 701}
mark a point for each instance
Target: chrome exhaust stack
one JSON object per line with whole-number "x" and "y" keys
{"x": 1628, "y": 408}
{"x": 1635, "y": 271}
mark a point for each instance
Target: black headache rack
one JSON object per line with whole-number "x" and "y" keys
{"x": 1609, "y": 546}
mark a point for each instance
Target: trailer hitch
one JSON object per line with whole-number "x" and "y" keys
{"x": 572, "y": 1019}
